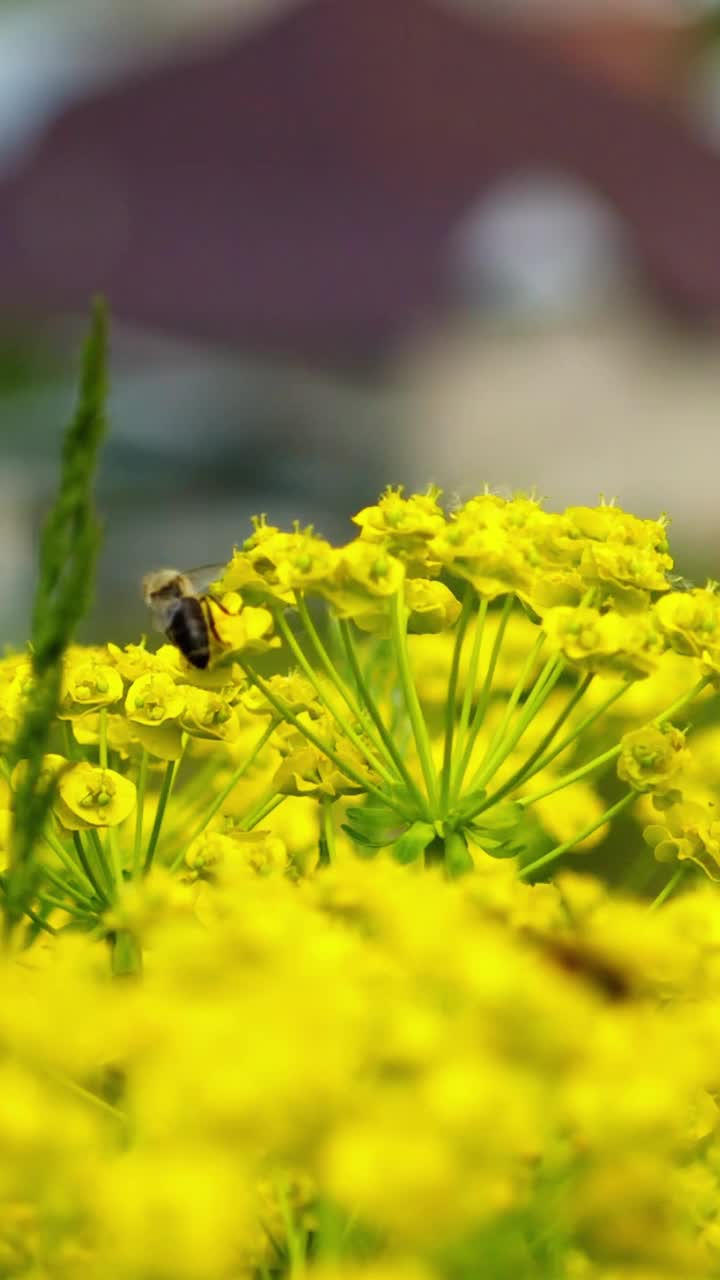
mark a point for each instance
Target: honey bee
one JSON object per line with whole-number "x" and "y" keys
{"x": 181, "y": 609}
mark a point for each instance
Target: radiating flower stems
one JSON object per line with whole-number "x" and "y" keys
{"x": 222, "y": 795}
{"x": 577, "y": 732}
{"x": 286, "y": 713}
{"x": 398, "y": 624}
{"x": 470, "y": 682}
{"x": 101, "y": 860}
{"x": 70, "y": 886}
{"x": 478, "y": 718}
{"x": 669, "y": 888}
{"x": 165, "y": 792}
{"x": 367, "y": 697}
{"x": 29, "y": 912}
{"x": 534, "y": 763}
{"x": 495, "y": 754}
{"x": 578, "y": 838}
{"x": 140, "y": 813}
{"x": 575, "y": 775}
{"x": 451, "y": 696}
{"x": 326, "y": 661}
{"x": 90, "y": 871}
{"x": 341, "y": 721}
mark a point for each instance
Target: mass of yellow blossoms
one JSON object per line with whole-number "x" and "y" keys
{"x": 389, "y": 945}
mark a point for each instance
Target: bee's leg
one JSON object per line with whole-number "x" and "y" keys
{"x": 211, "y": 621}
{"x": 215, "y": 600}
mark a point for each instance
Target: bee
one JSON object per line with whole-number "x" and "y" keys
{"x": 181, "y": 607}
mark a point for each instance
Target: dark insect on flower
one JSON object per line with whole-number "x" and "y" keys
{"x": 181, "y": 609}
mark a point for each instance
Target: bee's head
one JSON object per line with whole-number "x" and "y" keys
{"x": 163, "y": 585}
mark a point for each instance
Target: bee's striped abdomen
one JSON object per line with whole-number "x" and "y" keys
{"x": 188, "y": 630}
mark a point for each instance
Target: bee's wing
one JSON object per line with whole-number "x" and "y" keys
{"x": 201, "y": 578}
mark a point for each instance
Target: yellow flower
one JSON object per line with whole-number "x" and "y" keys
{"x": 134, "y": 660}
{"x": 652, "y": 757}
{"x": 691, "y": 620}
{"x": 483, "y": 546}
{"x": 154, "y": 698}
{"x": 207, "y": 715}
{"x": 369, "y": 569}
{"x": 605, "y": 643}
{"x": 405, "y": 527}
{"x": 243, "y": 629}
{"x": 432, "y": 605}
{"x": 293, "y": 690}
{"x": 687, "y": 831}
{"x": 216, "y": 852}
{"x": 52, "y": 765}
{"x": 93, "y": 797}
{"x": 87, "y": 686}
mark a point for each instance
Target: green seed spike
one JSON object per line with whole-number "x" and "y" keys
{"x": 68, "y": 549}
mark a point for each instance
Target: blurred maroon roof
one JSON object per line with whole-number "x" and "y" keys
{"x": 294, "y": 189}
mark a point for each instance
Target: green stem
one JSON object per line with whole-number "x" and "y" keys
{"x": 539, "y": 695}
{"x": 326, "y": 661}
{"x": 90, "y": 871}
{"x": 115, "y": 857}
{"x": 165, "y": 792}
{"x": 327, "y": 832}
{"x": 71, "y": 747}
{"x": 568, "y": 779}
{"x": 579, "y": 730}
{"x": 65, "y": 1082}
{"x": 485, "y": 695}
{"x": 340, "y": 720}
{"x": 69, "y": 887}
{"x": 50, "y": 900}
{"x": 526, "y": 769}
{"x": 398, "y": 619}
{"x": 103, "y": 745}
{"x": 126, "y": 955}
{"x": 373, "y": 710}
{"x": 470, "y": 683}
{"x": 28, "y": 911}
{"x": 670, "y": 887}
{"x": 102, "y": 862}
{"x": 78, "y": 876}
{"x": 261, "y": 811}
{"x": 450, "y": 708}
{"x": 606, "y": 756}
{"x": 286, "y": 713}
{"x": 139, "y": 814}
{"x": 222, "y": 796}
{"x": 577, "y": 839}
{"x": 494, "y": 752}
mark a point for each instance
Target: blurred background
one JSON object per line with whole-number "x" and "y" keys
{"x": 353, "y": 242}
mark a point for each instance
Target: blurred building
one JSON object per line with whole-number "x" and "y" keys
{"x": 359, "y": 240}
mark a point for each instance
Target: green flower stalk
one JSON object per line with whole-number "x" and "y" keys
{"x": 68, "y": 550}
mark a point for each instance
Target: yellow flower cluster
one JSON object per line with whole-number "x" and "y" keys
{"x": 375, "y": 1075}
{"x": 293, "y": 995}
{"x": 498, "y": 545}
